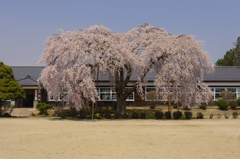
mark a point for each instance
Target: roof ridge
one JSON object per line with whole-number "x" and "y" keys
{"x": 225, "y": 66}
{"x": 27, "y": 66}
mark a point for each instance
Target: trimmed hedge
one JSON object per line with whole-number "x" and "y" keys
{"x": 200, "y": 115}
{"x": 188, "y": 115}
{"x": 135, "y": 115}
{"x": 233, "y": 104}
{"x": 177, "y": 115}
{"x": 222, "y": 104}
{"x": 203, "y": 106}
{"x": 168, "y": 115}
{"x": 159, "y": 114}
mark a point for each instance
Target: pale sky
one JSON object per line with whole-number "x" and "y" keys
{"x": 25, "y": 24}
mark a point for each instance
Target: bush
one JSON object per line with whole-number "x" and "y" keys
{"x": 143, "y": 115}
{"x": 63, "y": 113}
{"x": 108, "y": 115}
{"x": 233, "y": 104}
{"x": 186, "y": 108}
{"x": 43, "y": 108}
{"x": 114, "y": 105}
{"x": 159, "y": 114}
{"x": 211, "y": 102}
{"x": 168, "y": 115}
{"x": 73, "y": 112}
{"x": 125, "y": 116}
{"x": 117, "y": 115}
{"x": 56, "y": 113}
{"x": 177, "y": 115}
{"x": 83, "y": 114}
{"x": 203, "y": 106}
{"x": 6, "y": 115}
{"x": 235, "y": 115}
{"x": 200, "y": 115}
{"x": 152, "y": 107}
{"x": 228, "y": 95}
{"x": 211, "y": 116}
{"x": 222, "y": 104}
{"x": 152, "y": 96}
{"x": 188, "y": 115}
{"x": 135, "y": 115}
{"x": 100, "y": 104}
{"x": 238, "y": 101}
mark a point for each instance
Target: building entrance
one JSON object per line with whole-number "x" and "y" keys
{"x": 28, "y": 101}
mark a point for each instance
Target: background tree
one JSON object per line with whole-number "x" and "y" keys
{"x": 232, "y": 57}
{"x": 73, "y": 55}
{"x": 9, "y": 87}
{"x": 228, "y": 95}
{"x": 152, "y": 96}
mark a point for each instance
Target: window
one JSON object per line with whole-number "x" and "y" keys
{"x": 50, "y": 97}
{"x": 109, "y": 94}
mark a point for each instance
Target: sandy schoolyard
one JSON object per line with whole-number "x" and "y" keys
{"x": 50, "y": 138}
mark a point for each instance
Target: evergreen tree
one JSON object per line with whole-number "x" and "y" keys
{"x": 232, "y": 57}
{"x": 9, "y": 87}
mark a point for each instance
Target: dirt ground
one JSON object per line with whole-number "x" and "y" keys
{"x": 50, "y": 138}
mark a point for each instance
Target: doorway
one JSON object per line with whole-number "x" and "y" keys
{"x": 28, "y": 101}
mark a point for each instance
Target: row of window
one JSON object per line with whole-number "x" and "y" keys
{"x": 109, "y": 93}
{"x": 216, "y": 91}
{"x": 105, "y": 94}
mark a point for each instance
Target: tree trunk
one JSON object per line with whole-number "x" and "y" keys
{"x": 97, "y": 86}
{"x": 94, "y": 94}
{"x": 86, "y": 105}
{"x": 121, "y": 104}
{"x": 177, "y": 107}
{"x": 169, "y": 103}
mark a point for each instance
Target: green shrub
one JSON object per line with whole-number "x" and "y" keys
{"x": 238, "y": 101}
{"x": 203, "y": 106}
{"x": 159, "y": 114}
{"x": 177, "y": 115}
{"x": 222, "y": 104}
{"x": 6, "y": 115}
{"x": 114, "y": 105}
{"x": 188, "y": 115}
{"x": 125, "y": 116}
{"x": 233, "y": 104}
{"x": 235, "y": 115}
{"x": 73, "y": 112}
{"x": 168, "y": 115}
{"x": 83, "y": 114}
{"x": 63, "y": 113}
{"x": 200, "y": 115}
{"x": 211, "y": 116}
{"x": 108, "y": 115}
{"x": 43, "y": 108}
{"x": 117, "y": 115}
{"x": 143, "y": 115}
{"x": 100, "y": 104}
{"x": 135, "y": 115}
{"x": 211, "y": 102}
{"x": 152, "y": 107}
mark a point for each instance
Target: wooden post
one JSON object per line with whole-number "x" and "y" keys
{"x": 94, "y": 94}
{"x": 97, "y": 86}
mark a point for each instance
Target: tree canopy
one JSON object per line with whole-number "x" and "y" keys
{"x": 232, "y": 57}
{"x": 178, "y": 61}
{"x": 9, "y": 87}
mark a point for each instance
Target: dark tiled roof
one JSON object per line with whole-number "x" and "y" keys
{"x": 27, "y": 75}
{"x": 224, "y": 73}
